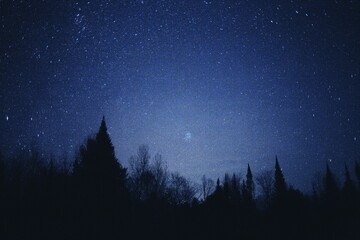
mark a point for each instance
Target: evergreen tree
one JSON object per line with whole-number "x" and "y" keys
{"x": 349, "y": 191}
{"x": 279, "y": 184}
{"x": 249, "y": 186}
{"x": 218, "y": 186}
{"x": 2, "y": 169}
{"x": 349, "y": 187}
{"x": 2, "y": 177}
{"x": 217, "y": 197}
{"x": 100, "y": 194}
{"x": 331, "y": 188}
{"x": 243, "y": 190}
{"x": 76, "y": 168}
{"x": 235, "y": 188}
{"x": 357, "y": 172}
{"x": 226, "y": 186}
{"x": 88, "y": 161}
{"x": 97, "y": 164}
{"x": 107, "y": 164}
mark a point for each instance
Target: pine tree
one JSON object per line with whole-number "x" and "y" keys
{"x": 280, "y": 187}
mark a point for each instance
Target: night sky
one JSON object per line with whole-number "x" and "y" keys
{"x": 211, "y": 85}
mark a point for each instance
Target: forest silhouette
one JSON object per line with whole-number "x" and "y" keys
{"x": 95, "y": 197}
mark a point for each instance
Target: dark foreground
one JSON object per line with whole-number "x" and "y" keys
{"x": 96, "y": 198}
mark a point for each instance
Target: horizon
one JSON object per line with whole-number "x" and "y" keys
{"x": 306, "y": 188}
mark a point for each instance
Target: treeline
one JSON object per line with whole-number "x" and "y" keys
{"x": 95, "y": 197}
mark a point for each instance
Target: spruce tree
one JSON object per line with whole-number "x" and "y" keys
{"x": 98, "y": 166}
{"x": 107, "y": 163}
{"x": 279, "y": 184}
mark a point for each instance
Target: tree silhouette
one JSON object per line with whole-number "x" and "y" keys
{"x": 2, "y": 169}
{"x": 265, "y": 180}
{"x": 147, "y": 179}
{"x": 348, "y": 191}
{"x": 249, "y": 187}
{"x": 99, "y": 171}
{"x": 2, "y": 177}
{"x": 349, "y": 187}
{"x": 161, "y": 176}
{"x": 108, "y": 166}
{"x": 235, "y": 188}
{"x": 181, "y": 191}
{"x": 226, "y": 186}
{"x": 92, "y": 202}
{"x": 218, "y": 186}
{"x": 207, "y": 186}
{"x": 141, "y": 177}
{"x": 331, "y": 188}
{"x": 218, "y": 196}
{"x": 357, "y": 172}
{"x": 279, "y": 181}
{"x": 100, "y": 192}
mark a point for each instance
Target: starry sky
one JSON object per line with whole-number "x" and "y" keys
{"x": 211, "y": 85}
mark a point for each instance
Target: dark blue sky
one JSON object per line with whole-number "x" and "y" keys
{"x": 211, "y": 85}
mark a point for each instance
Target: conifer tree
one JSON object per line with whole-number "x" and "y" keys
{"x": 2, "y": 169}
{"x": 218, "y": 195}
{"x": 348, "y": 184}
{"x": 98, "y": 165}
{"x": 107, "y": 162}
{"x": 357, "y": 172}
{"x": 218, "y": 187}
{"x": 226, "y": 186}
{"x": 235, "y": 188}
{"x": 249, "y": 186}
{"x": 331, "y": 188}
{"x": 279, "y": 184}
{"x": 76, "y": 168}
{"x": 243, "y": 190}
{"x": 349, "y": 191}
